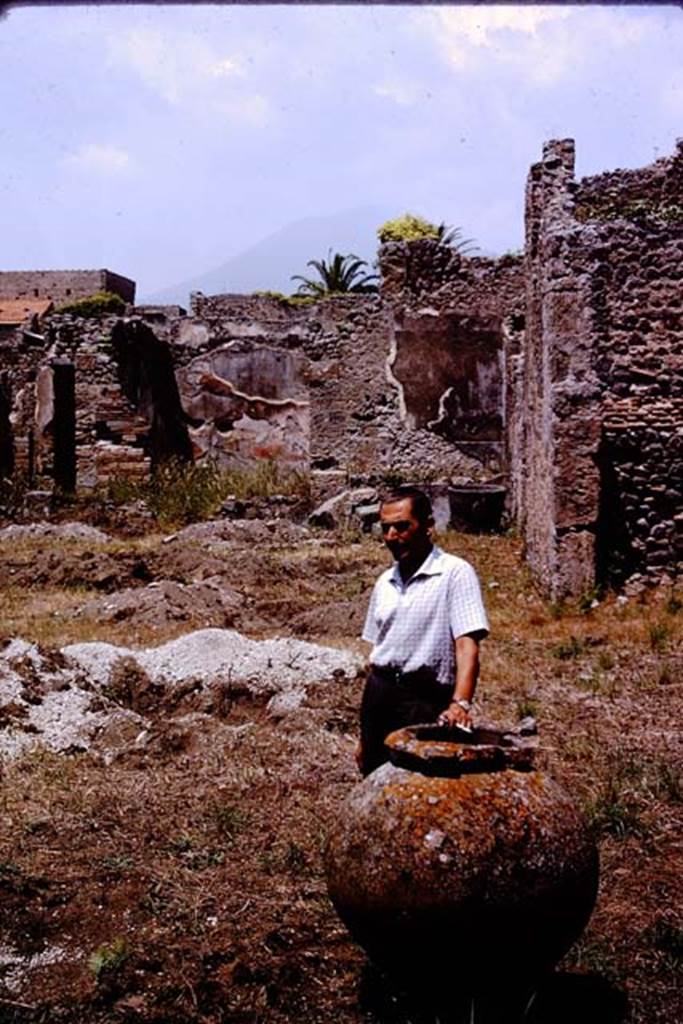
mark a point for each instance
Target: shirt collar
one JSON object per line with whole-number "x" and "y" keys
{"x": 431, "y": 566}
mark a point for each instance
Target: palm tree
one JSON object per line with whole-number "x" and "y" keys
{"x": 338, "y": 275}
{"x": 452, "y": 237}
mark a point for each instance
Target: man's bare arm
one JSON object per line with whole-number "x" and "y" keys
{"x": 466, "y": 674}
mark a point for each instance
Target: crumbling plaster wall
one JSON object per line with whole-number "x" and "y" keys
{"x": 358, "y": 423}
{"x": 603, "y": 327}
{"x": 455, "y": 323}
{"x": 247, "y": 402}
{"x": 409, "y": 381}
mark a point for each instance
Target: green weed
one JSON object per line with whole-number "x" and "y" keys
{"x": 107, "y": 960}
{"x": 181, "y": 493}
{"x": 526, "y": 706}
{"x": 229, "y": 819}
{"x": 665, "y": 677}
{"x": 631, "y": 786}
{"x": 659, "y": 634}
{"x": 182, "y": 843}
{"x": 36, "y": 826}
{"x": 117, "y": 863}
{"x": 294, "y": 859}
{"x": 290, "y": 857}
{"x": 593, "y": 957}
{"x": 605, "y": 661}
{"x": 571, "y": 648}
{"x": 613, "y": 812}
{"x": 588, "y": 598}
{"x": 100, "y": 304}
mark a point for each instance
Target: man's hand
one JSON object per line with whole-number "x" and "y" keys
{"x": 466, "y": 649}
{"x": 455, "y": 715}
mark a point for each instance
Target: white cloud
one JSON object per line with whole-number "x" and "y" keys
{"x": 541, "y": 45}
{"x": 225, "y": 68}
{"x": 177, "y": 65}
{"x": 468, "y": 27}
{"x": 99, "y": 157}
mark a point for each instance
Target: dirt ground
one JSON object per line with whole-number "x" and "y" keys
{"x": 183, "y": 882}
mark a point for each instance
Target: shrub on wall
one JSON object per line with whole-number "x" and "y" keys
{"x": 408, "y": 228}
{"x": 411, "y": 228}
{"x": 645, "y": 212}
{"x": 287, "y": 301}
{"x": 98, "y": 304}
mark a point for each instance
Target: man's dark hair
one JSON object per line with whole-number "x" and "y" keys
{"x": 420, "y": 505}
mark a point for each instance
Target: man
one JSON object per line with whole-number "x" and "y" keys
{"x": 425, "y": 621}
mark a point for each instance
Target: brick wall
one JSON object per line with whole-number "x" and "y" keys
{"x": 63, "y": 285}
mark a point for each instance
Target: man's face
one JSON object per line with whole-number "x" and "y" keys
{"x": 404, "y": 535}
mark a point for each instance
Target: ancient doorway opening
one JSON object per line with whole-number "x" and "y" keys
{"x": 64, "y": 425}
{"x": 615, "y": 556}
{"x": 6, "y": 436}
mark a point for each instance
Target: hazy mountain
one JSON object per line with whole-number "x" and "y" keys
{"x": 269, "y": 264}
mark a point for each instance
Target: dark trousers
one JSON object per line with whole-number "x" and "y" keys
{"x": 392, "y": 700}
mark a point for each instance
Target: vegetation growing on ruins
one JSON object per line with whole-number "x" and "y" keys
{"x": 337, "y": 275}
{"x": 288, "y": 301}
{"x": 95, "y": 305}
{"x": 182, "y": 493}
{"x": 641, "y": 211}
{"x": 412, "y": 228}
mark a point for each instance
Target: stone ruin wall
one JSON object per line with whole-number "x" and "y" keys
{"x": 63, "y": 286}
{"x": 456, "y": 326}
{"x": 367, "y": 414}
{"x": 108, "y": 431}
{"x": 575, "y": 350}
{"x": 596, "y": 462}
{"x": 115, "y": 413}
{"x": 324, "y": 386}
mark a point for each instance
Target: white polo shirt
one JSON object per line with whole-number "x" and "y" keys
{"x": 413, "y": 625}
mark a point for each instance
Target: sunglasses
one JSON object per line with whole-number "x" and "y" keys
{"x": 402, "y": 526}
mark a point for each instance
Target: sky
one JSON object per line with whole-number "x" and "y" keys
{"x": 162, "y": 141}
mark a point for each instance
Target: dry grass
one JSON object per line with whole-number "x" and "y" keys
{"x": 185, "y": 882}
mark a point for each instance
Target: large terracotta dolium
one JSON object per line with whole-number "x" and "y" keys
{"x": 459, "y": 863}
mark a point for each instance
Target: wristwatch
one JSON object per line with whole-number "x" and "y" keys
{"x": 466, "y": 705}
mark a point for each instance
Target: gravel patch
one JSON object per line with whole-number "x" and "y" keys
{"x": 61, "y": 531}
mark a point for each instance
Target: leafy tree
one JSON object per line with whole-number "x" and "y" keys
{"x": 337, "y": 275}
{"x": 411, "y": 228}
